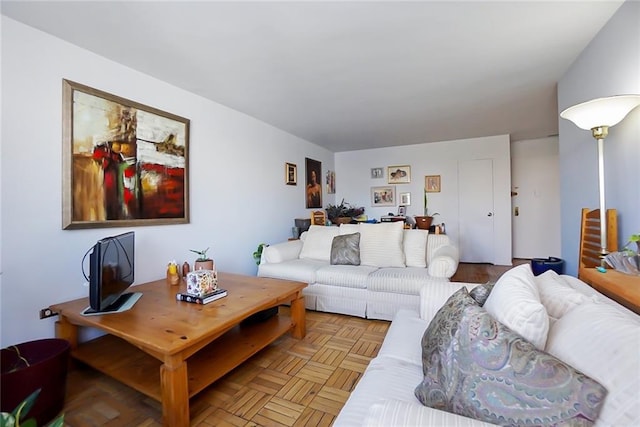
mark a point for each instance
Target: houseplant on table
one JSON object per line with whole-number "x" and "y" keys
{"x": 343, "y": 213}
{"x": 423, "y": 222}
{"x": 203, "y": 262}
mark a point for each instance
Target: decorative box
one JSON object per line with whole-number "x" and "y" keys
{"x": 202, "y": 282}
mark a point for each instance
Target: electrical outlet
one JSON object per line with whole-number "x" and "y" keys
{"x": 47, "y": 312}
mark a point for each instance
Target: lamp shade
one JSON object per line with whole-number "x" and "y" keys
{"x": 601, "y": 112}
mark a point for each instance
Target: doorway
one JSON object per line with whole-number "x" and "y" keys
{"x": 476, "y": 236}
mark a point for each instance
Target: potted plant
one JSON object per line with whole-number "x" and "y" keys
{"x": 343, "y": 213}
{"x": 257, "y": 254}
{"x": 423, "y": 222}
{"x": 203, "y": 262}
{"x": 34, "y": 369}
{"x": 17, "y": 417}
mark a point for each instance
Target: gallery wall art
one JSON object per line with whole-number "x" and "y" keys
{"x": 313, "y": 189}
{"x": 383, "y": 196}
{"x": 124, "y": 163}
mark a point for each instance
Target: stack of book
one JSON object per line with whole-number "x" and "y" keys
{"x": 201, "y": 299}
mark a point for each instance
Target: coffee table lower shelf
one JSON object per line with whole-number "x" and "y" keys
{"x": 120, "y": 360}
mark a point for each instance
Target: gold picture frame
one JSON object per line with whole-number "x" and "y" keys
{"x": 290, "y": 174}
{"x": 399, "y": 174}
{"x": 432, "y": 183}
{"x": 124, "y": 163}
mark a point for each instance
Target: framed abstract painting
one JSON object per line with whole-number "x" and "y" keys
{"x": 124, "y": 163}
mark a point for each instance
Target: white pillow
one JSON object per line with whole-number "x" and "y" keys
{"x": 603, "y": 342}
{"x": 415, "y": 247}
{"x": 349, "y": 229}
{"x": 556, "y": 295}
{"x": 381, "y": 244}
{"x": 514, "y": 301}
{"x": 317, "y": 244}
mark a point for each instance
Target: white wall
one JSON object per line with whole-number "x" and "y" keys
{"x": 535, "y": 177}
{"x": 237, "y": 191}
{"x": 353, "y": 181}
{"x": 610, "y": 65}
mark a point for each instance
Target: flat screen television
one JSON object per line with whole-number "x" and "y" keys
{"x": 111, "y": 273}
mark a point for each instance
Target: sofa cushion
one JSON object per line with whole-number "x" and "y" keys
{"x": 477, "y": 367}
{"x": 514, "y": 301}
{"x": 348, "y": 276}
{"x": 384, "y": 378}
{"x": 402, "y": 413}
{"x": 556, "y": 295}
{"x": 348, "y": 228}
{"x": 345, "y": 250}
{"x": 603, "y": 342}
{"x": 381, "y": 244}
{"x": 317, "y": 244}
{"x": 302, "y": 270}
{"x": 415, "y": 247}
{"x": 408, "y": 280}
{"x": 481, "y": 293}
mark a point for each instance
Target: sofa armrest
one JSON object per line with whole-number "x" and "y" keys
{"x": 433, "y": 296}
{"x": 281, "y": 252}
{"x": 444, "y": 262}
{"x": 401, "y": 413}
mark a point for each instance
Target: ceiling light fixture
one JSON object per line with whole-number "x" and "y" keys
{"x": 598, "y": 115}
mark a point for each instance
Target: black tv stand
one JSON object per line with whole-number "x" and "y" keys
{"x": 123, "y": 303}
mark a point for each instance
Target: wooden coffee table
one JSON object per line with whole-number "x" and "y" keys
{"x": 171, "y": 350}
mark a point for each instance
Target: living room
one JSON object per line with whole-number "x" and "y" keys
{"x": 236, "y": 167}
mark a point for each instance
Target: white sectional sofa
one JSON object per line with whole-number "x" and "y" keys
{"x": 384, "y": 270}
{"x": 580, "y": 327}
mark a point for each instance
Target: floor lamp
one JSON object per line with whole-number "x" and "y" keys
{"x": 598, "y": 115}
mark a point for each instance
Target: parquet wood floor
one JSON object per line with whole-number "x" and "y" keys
{"x": 289, "y": 383}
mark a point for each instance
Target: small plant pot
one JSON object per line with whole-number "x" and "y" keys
{"x": 203, "y": 265}
{"x": 423, "y": 222}
{"x": 47, "y": 371}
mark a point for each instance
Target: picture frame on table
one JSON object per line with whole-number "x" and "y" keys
{"x": 124, "y": 163}
{"x": 399, "y": 174}
{"x": 383, "y": 196}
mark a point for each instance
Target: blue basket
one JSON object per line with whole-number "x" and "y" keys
{"x": 540, "y": 265}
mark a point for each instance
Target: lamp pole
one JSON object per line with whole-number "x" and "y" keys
{"x": 600, "y": 133}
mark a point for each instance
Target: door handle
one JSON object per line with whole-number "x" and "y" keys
{"x": 490, "y": 214}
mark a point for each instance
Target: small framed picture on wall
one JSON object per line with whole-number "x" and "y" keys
{"x": 405, "y": 199}
{"x": 399, "y": 174}
{"x": 383, "y": 196}
{"x": 432, "y": 183}
{"x": 290, "y": 174}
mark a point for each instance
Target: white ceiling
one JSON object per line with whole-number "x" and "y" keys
{"x": 348, "y": 75}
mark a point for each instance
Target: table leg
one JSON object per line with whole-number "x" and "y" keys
{"x": 298, "y": 317}
{"x": 68, "y": 331}
{"x": 175, "y": 393}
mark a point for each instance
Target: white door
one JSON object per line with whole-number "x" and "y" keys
{"x": 476, "y": 236}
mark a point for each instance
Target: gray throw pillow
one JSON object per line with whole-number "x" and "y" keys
{"x": 345, "y": 249}
{"x": 477, "y": 367}
{"x": 481, "y": 293}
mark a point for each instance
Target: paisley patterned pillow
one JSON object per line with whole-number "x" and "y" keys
{"x": 481, "y": 293}
{"x": 479, "y": 368}
{"x": 345, "y": 250}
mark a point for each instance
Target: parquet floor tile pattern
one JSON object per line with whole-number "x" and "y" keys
{"x": 290, "y": 383}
